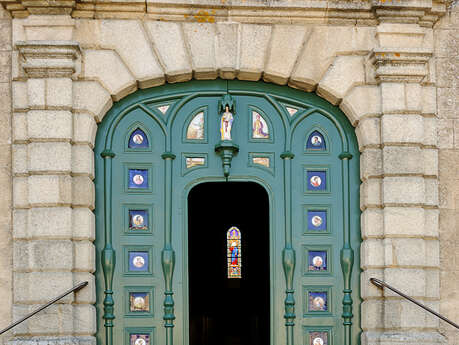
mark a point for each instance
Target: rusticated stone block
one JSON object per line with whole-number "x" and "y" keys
{"x": 403, "y": 160}
{"x": 37, "y": 287}
{"x": 368, "y": 132}
{"x": 404, "y": 221}
{"x": 254, "y": 46}
{"x": 172, "y": 52}
{"x": 370, "y": 193}
{"x": 201, "y": 41}
{"x": 83, "y": 224}
{"x": 344, "y": 73}
{"x": 130, "y": 41}
{"x": 84, "y": 129}
{"x": 361, "y": 101}
{"x": 372, "y": 253}
{"x": 371, "y": 163}
{"x": 107, "y": 67}
{"x": 50, "y": 222}
{"x": 20, "y": 128}
{"x": 372, "y": 223}
{"x": 82, "y": 160}
{"x": 88, "y": 294}
{"x": 286, "y": 44}
{"x": 19, "y": 90}
{"x": 373, "y": 309}
{"x": 59, "y": 93}
{"x": 85, "y": 320}
{"x": 50, "y": 190}
{"x": 226, "y": 56}
{"x": 404, "y": 190}
{"x": 56, "y": 319}
{"x": 36, "y": 89}
{"x": 410, "y": 281}
{"x": 49, "y": 157}
{"x": 20, "y": 159}
{"x": 20, "y": 192}
{"x": 41, "y": 255}
{"x": 43, "y": 125}
{"x": 90, "y": 96}
{"x": 406, "y": 129}
{"x": 83, "y": 192}
{"x": 85, "y": 253}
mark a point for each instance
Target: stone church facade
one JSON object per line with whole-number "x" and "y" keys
{"x": 391, "y": 66}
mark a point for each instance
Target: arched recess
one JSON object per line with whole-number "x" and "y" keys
{"x": 297, "y": 285}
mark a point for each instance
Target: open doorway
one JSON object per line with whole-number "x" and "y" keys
{"x": 223, "y": 310}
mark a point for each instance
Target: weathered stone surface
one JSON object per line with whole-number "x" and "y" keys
{"x": 36, "y": 89}
{"x": 172, "y": 53}
{"x": 82, "y": 160}
{"x": 20, "y": 134}
{"x": 52, "y": 125}
{"x": 41, "y": 255}
{"x": 226, "y": 54}
{"x": 372, "y": 223}
{"x": 130, "y": 41}
{"x": 106, "y": 67}
{"x": 83, "y": 192}
{"x": 361, "y": 101}
{"x": 372, "y": 254}
{"x": 404, "y": 190}
{"x": 59, "y": 93}
{"x": 404, "y": 221}
{"x": 83, "y": 224}
{"x": 84, "y": 129}
{"x": 90, "y": 96}
{"x": 286, "y": 44}
{"x": 5, "y": 69}
{"x": 20, "y": 159}
{"x": 84, "y": 319}
{"x": 368, "y": 132}
{"x": 370, "y": 193}
{"x": 344, "y": 73}
{"x": 253, "y": 52}
{"x": 49, "y": 222}
{"x": 402, "y": 129}
{"x": 49, "y": 190}
{"x": 200, "y": 38}
{"x": 84, "y": 260}
{"x": 49, "y": 158}
{"x": 19, "y": 90}
{"x": 393, "y": 96}
{"x": 371, "y": 163}
{"x": 403, "y": 160}
{"x": 36, "y": 287}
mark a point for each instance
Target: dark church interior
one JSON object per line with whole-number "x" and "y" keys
{"x": 227, "y": 311}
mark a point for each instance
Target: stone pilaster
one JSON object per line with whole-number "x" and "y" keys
{"x": 405, "y": 250}
{"x": 53, "y": 193}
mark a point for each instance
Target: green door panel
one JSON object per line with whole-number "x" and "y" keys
{"x": 307, "y": 298}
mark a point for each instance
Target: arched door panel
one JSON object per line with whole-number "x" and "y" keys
{"x": 154, "y": 146}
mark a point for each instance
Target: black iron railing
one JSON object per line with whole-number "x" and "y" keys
{"x": 381, "y": 284}
{"x": 75, "y": 288}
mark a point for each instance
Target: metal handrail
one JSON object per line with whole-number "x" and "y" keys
{"x": 75, "y": 288}
{"x": 381, "y": 284}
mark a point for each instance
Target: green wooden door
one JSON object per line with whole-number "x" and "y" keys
{"x": 154, "y": 146}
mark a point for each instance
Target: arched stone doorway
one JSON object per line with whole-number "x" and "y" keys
{"x": 157, "y": 143}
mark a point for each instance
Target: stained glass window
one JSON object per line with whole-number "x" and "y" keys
{"x": 233, "y": 242}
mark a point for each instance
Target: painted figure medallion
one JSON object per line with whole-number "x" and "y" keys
{"x": 260, "y": 128}
{"x": 139, "y": 339}
{"x": 195, "y": 129}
